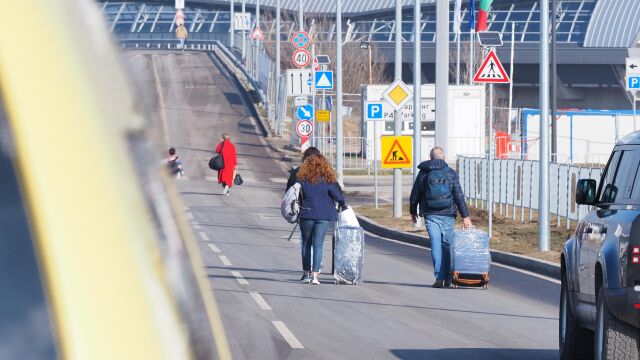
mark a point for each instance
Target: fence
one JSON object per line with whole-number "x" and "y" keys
{"x": 354, "y": 148}
{"x": 515, "y": 187}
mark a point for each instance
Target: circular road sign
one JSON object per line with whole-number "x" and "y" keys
{"x": 304, "y": 128}
{"x": 300, "y": 39}
{"x": 301, "y": 58}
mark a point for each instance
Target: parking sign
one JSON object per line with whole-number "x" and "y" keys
{"x": 633, "y": 83}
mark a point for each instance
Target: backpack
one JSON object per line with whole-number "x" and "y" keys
{"x": 290, "y": 206}
{"x": 438, "y": 190}
{"x": 174, "y": 166}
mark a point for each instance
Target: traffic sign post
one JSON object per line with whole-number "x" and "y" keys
{"x": 323, "y": 116}
{"x": 632, "y": 69}
{"x": 304, "y": 128}
{"x": 257, "y": 34}
{"x": 300, "y": 40}
{"x": 305, "y": 112}
{"x": 398, "y": 94}
{"x": 299, "y": 82}
{"x": 323, "y": 80}
{"x": 301, "y": 58}
{"x": 396, "y": 152}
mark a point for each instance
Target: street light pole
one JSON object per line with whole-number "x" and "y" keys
{"x": 339, "y": 136}
{"x": 244, "y": 36}
{"x": 277, "y": 64}
{"x": 543, "y": 198}
{"x": 417, "y": 84}
{"x": 442, "y": 74}
{"x": 300, "y": 15}
{"x": 232, "y": 29}
{"x": 397, "y": 117}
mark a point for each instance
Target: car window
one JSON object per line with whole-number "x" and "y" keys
{"x": 607, "y": 188}
{"x": 25, "y": 320}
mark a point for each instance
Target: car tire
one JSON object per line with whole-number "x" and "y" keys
{"x": 614, "y": 339}
{"x": 576, "y": 342}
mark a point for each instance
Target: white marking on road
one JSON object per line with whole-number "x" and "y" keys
{"x": 287, "y": 335}
{"x": 278, "y": 180}
{"x": 163, "y": 114}
{"x": 555, "y": 281}
{"x": 204, "y": 236}
{"x": 214, "y": 248}
{"x": 260, "y": 300}
{"x": 190, "y": 216}
{"x": 240, "y": 278}
{"x": 224, "y": 260}
{"x": 196, "y": 226}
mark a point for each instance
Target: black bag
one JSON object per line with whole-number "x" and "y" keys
{"x": 217, "y": 162}
{"x": 438, "y": 190}
{"x": 238, "y": 180}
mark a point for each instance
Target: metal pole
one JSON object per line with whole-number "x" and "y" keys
{"x": 232, "y": 29}
{"x": 314, "y": 137}
{"x": 257, "y": 57}
{"x": 397, "y": 116}
{"x": 375, "y": 160}
{"x": 543, "y": 202}
{"x": 339, "y": 137}
{"x": 442, "y": 74}
{"x": 554, "y": 84}
{"x": 244, "y": 36}
{"x": 472, "y": 46}
{"x": 417, "y": 84}
{"x": 458, "y": 60}
{"x": 370, "y": 66}
{"x": 491, "y": 156}
{"x": 300, "y": 15}
{"x": 513, "y": 29}
{"x": 634, "y": 110}
{"x": 277, "y": 64}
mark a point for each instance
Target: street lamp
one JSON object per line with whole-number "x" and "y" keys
{"x": 367, "y": 46}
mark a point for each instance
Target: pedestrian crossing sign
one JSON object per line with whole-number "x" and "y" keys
{"x": 491, "y": 71}
{"x": 397, "y": 151}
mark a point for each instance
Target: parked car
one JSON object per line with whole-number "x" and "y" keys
{"x": 600, "y": 264}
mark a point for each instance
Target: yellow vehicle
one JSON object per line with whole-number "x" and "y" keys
{"x": 96, "y": 260}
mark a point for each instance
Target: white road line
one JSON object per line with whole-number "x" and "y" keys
{"x": 240, "y": 278}
{"x": 190, "y": 216}
{"x": 555, "y": 281}
{"x": 260, "y": 300}
{"x": 163, "y": 114}
{"x": 204, "y": 236}
{"x": 224, "y": 260}
{"x": 214, "y": 248}
{"x": 197, "y": 226}
{"x": 287, "y": 335}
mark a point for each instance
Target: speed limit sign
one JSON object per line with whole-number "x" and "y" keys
{"x": 304, "y": 128}
{"x": 301, "y": 58}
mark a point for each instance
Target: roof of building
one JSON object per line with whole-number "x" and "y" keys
{"x": 614, "y": 24}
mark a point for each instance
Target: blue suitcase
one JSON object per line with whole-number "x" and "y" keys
{"x": 470, "y": 258}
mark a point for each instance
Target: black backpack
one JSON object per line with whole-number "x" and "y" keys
{"x": 438, "y": 191}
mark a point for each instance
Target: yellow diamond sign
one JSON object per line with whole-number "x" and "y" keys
{"x": 398, "y": 94}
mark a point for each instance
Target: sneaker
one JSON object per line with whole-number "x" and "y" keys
{"x": 314, "y": 280}
{"x": 305, "y": 278}
{"x": 225, "y": 190}
{"x": 447, "y": 283}
{"x": 438, "y": 284}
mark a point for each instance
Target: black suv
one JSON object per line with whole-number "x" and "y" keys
{"x": 600, "y": 296}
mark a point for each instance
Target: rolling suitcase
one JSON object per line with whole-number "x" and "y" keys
{"x": 470, "y": 258}
{"x": 348, "y": 260}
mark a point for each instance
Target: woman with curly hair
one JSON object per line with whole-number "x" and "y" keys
{"x": 319, "y": 194}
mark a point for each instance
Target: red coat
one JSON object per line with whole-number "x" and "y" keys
{"x": 230, "y": 162}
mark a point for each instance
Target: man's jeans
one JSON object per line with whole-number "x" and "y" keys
{"x": 313, "y": 233}
{"x": 440, "y": 229}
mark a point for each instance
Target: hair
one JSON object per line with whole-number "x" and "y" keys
{"x": 437, "y": 153}
{"x": 309, "y": 152}
{"x": 172, "y": 151}
{"x": 316, "y": 168}
{"x": 226, "y": 136}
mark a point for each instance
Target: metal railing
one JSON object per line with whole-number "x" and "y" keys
{"x": 354, "y": 152}
{"x": 515, "y": 187}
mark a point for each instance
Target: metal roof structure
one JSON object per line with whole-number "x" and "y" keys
{"x": 615, "y": 23}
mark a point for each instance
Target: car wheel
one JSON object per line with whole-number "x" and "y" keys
{"x": 576, "y": 342}
{"x": 615, "y": 339}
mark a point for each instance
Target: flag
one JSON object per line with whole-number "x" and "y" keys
{"x": 483, "y": 14}
{"x": 457, "y": 17}
{"x": 472, "y": 15}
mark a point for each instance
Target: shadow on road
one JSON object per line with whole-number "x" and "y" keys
{"x": 475, "y": 353}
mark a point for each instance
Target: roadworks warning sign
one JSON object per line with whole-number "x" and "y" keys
{"x": 396, "y": 152}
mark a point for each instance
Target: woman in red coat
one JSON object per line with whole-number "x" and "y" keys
{"x": 228, "y": 173}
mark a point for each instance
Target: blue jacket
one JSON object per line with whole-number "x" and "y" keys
{"x": 318, "y": 201}
{"x": 418, "y": 191}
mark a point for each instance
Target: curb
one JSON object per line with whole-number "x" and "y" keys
{"x": 521, "y": 262}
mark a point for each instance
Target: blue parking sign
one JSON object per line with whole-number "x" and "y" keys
{"x": 633, "y": 82}
{"x": 374, "y": 111}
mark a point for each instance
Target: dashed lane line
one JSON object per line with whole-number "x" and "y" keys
{"x": 214, "y": 248}
{"x": 224, "y": 260}
{"x": 204, "y": 236}
{"x": 260, "y": 300}
{"x": 240, "y": 278}
{"x": 287, "y": 335}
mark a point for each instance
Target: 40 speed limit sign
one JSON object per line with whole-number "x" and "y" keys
{"x": 301, "y": 58}
{"x": 304, "y": 128}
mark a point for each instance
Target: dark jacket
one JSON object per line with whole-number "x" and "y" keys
{"x": 418, "y": 191}
{"x": 318, "y": 201}
{"x": 293, "y": 177}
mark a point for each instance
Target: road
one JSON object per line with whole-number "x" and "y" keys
{"x": 254, "y": 270}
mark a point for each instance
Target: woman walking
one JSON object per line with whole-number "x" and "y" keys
{"x": 319, "y": 194}
{"x": 228, "y": 172}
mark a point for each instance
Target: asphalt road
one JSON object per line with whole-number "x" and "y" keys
{"x": 254, "y": 270}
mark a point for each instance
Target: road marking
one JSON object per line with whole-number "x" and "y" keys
{"x": 204, "y": 236}
{"x": 163, "y": 114}
{"x": 214, "y": 248}
{"x": 196, "y": 226}
{"x": 287, "y": 335}
{"x": 240, "y": 278}
{"x": 543, "y": 277}
{"x": 224, "y": 260}
{"x": 190, "y": 216}
{"x": 260, "y": 300}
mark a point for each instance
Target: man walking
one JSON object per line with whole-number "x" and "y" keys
{"x": 437, "y": 190}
